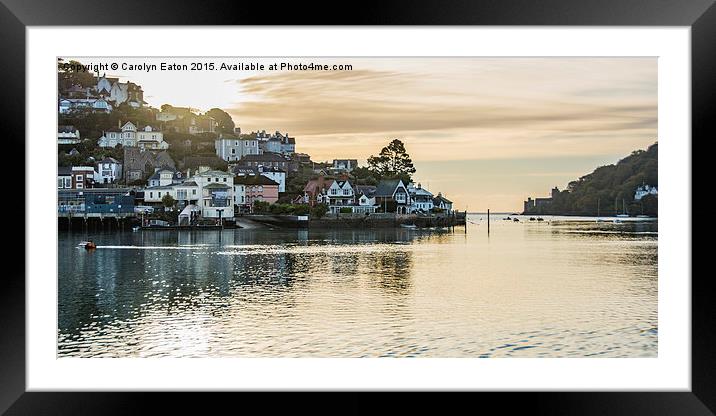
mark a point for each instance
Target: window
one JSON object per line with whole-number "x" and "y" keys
{"x": 60, "y": 182}
{"x": 224, "y": 179}
{"x": 79, "y": 178}
{"x": 80, "y": 185}
{"x": 193, "y": 191}
{"x": 261, "y": 188}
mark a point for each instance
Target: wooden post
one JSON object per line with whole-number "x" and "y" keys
{"x": 488, "y": 221}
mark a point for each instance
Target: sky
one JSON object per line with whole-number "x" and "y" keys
{"x": 486, "y": 132}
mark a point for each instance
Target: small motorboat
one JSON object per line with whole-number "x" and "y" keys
{"x": 540, "y": 219}
{"x": 516, "y": 219}
{"x": 88, "y": 245}
{"x": 532, "y": 219}
{"x": 507, "y": 219}
{"x": 136, "y": 228}
{"x": 408, "y": 225}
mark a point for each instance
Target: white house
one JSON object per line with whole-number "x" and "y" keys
{"x": 128, "y": 135}
{"x": 108, "y": 170}
{"x": 421, "y": 200}
{"x": 68, "y": 135}
{"x": 645, "y": 190}
{"x": 165, "y": 177}
{"x": 68, "y": 105}
{"x": 216, "y": 193}
{"x": 154, "y": 194}
{"x": 234, "y": 148}
{"x": 339, "y": 195}
{"x": 443, "y": 203}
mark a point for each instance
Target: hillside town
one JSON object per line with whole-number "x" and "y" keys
{"x": 177, "y": 166}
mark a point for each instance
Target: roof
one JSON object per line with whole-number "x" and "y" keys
{"x": 157, "y": 173}
{"x": 217, "y": 186}
{"x": 64, "y": 171}
{"x": 366, "y": 190}
{"x": 213, "y": 173}
{"x": 442, "y": 199}
{"x": 386, "y": 187}
{"x": 315, "y": 185}
{"x": 265, "y": 157}
{"x": 188, "y": 183}
{"x": 66, "y": 129}
{"x": 109, "y": 159}
{"x": 254, "y": 180}
{"x": 158, "y": 188}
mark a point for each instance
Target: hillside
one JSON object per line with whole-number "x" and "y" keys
{"x": 611, "y": 186}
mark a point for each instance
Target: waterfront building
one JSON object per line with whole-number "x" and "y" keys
{"x": 539, "y": 205}
{"x": 251, "y": 188}
{"x": 108, "y": 170}
{"x": 68, "y": 135}
{"x": 64, "y": 177}
{"x": 443, "y": 203}
{"x": 96, "y": 202}
{"x": 232, "y": 148}
{"x": 421, "y": 199}
{"x": 392, "y": 196}
{"x": 82, "y": 177}
{"x": 339, "y": 194}
{"x": 275, "y": 174}
{"x": 216, "y": 190}
{"x": 153, "y": 195}
{"x": 645, "y": 190}
{"x": 314, "y": 190}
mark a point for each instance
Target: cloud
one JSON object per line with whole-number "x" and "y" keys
{"x": 499, "y": 106}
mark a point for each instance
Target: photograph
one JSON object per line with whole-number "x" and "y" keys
{"x": 357, "y": 207}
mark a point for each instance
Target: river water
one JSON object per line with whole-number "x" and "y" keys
{"x": 565, "y": 287}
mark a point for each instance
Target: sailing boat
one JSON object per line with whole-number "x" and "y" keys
{"x": 598, "y": 205}
{"x": 624, "y": 213}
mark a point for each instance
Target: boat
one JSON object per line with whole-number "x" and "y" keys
{"x": 532, "y": 218}
{"x": 642, "y": 216}
{"x": 136, "y": 228}
{"x": 88, "y": 245}
{"x": 507, "y": 219}
{"x": 540, "y": 219}
{"x": 516, "y": 219}
{"x": 624, "y": 213}
{"x": 408, "y": 225}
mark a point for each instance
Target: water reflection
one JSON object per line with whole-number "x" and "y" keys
{"x": 547, "y": 289}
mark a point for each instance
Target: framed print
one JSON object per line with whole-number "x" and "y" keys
{"x": 472, "y": 200}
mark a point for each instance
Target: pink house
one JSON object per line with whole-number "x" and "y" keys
{"x": 250, "y": 188}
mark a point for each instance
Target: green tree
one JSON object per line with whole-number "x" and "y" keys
{"x": 261, "y": 207}
{"x": 168, "y": 201}
{"x": 392, "y": 161}
{"x": 223, "y": 119}
{"x": 70, "y": 73}
{"x": 319, "y": 211}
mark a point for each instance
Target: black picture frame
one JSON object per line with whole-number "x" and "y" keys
{"x": 15, "y": 15}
